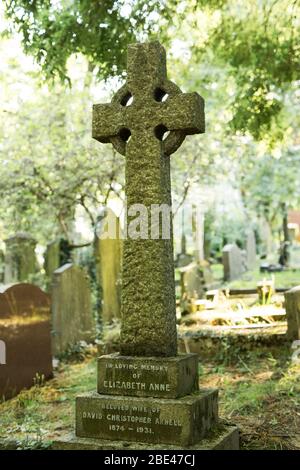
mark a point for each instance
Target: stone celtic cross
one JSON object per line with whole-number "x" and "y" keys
{"x": 136, "y": 122}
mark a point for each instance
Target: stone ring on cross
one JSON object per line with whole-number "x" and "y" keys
{"x": 148, "y": 104}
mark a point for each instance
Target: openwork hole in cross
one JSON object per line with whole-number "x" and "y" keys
{"x": 125, "y": 134}
{"x": 161, "y": 132}
{"x": 127, "y": 100}
{"x": 160, "y": 95}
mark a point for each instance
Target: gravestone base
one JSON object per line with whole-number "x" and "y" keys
{"x": 182, "y": 421}
{"x": 223, "y": 437}
{"x": 152, "y": 401}
{"x": 167, "y": 377}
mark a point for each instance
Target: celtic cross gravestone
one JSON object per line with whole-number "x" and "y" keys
{"x": 148, "y": 394}
{"x": 135, "y": 122}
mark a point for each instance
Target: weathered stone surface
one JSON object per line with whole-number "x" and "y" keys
{"x": 2, "y": 266}
{"x": 251, "y": 249}
{"x": 143, "y": 377}
{"x": 195, "y": 278}
{"x": 72, "y": 318}
{"x": 198, "y": 233}
{"x": 20, "y": 258}
{"x": 52, "y": 257}
{"x": 183, "y": 259}
{"x": 108, "y": 255}
{"x": 232, "y": 262}
{"x": 292, "y": 307}
{"x": 137, "y": 130}
{"x": 25, "y": 332}
{"x": 182, "y": 421}
{"x": 225, "y": 437}
{"x": 23, "y": 300}
{"x": 148, "y": 335}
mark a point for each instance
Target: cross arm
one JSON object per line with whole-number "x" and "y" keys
{"x": 185, "y": 112}
{"x": 107, "y": 121}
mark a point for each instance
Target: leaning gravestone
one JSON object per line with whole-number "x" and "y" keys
{"x": 148, "y": 394}
{"x": 108, "y": 254}
{"x": 20, "y": 258}
{"x": 292, "y": 307}
{"x": 233, "y": 262}
{"x": 26, "y": 333}
{"x": 72, "y": 318}
{"x": 195, "y": 280}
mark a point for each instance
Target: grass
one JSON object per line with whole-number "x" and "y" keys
{"x": 262, "y": 396}
{"x": 43, "y": 412}
{"x": 284, "y": 279}
{"x": 249, "y": 280}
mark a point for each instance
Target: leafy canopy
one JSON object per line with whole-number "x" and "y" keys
{"x": 54, "y": 30}
{"x": 252, "y": 41}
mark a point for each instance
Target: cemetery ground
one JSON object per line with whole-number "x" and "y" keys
{"x": 259, "y": 391}
{"x": 283, "y": 279}
{"x": 259, "y": 385}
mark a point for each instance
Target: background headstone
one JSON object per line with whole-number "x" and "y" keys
{"x": 294, "y": 258}
{"x": 233, "y": 263}
{"x": 58, "y": 253}
{"x": 26, "y": 332}
{"x": 72, "y": 318}
{"x": 266, "y": 239}
{"x": 251, "y": 249}
{"x": 183, "y": 258}
{"x": 108, "y": 256}
{"x": 198, "y": 233}
{"x": 292, "y": 307}
{"x": 52, "y": 257}
{"x": 196, "y": 279}
{"x": 20, "y": 258}
{"x": 2, "y": 266}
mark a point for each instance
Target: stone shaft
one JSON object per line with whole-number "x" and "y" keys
{"x": 136, "y": 122}
{"x": 148, "y": 286}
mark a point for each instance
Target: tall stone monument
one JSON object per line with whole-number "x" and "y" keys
{"x": 251, "y": 249}
{"x": 148, "y": 394}
{"x": 108, "y": 253}
{"x": 20, "y": 258}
